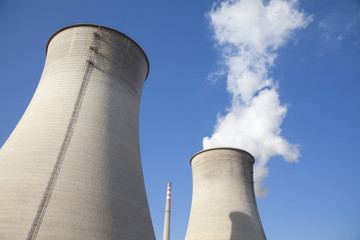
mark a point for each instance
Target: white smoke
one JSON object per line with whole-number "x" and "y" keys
{"x": 248, "y": 33}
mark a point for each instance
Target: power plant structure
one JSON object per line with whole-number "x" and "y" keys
{"x": 71, "y": 169}
{"x": 223, "y": 202}
{"x": 166, "y": 234}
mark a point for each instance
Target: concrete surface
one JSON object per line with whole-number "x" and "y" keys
{"x": 71, "y": 169}
{"x": 223, "y": 203}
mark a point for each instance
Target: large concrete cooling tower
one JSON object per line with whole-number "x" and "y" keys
{"x": 223, "y": 204}
{"x": 71, "y": 169}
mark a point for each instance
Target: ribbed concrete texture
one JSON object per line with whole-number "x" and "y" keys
{"x": 223, "y": 203}
{"x": 71, "y": 169}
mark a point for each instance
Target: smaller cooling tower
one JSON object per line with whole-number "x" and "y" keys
{"x": 223, "y": 202}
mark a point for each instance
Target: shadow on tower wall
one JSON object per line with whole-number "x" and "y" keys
{"x": 244, "y": 227}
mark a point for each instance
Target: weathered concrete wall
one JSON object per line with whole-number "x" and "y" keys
{"x": 223, "y": 203}
{"x": 71, "y": 169}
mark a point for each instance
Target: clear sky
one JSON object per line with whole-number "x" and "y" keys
{"x": 313, "y": 195}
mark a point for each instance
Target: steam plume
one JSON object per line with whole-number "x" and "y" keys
{"x": 248, "y": 34}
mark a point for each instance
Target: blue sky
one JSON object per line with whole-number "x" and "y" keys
{"x": 317, "y": 77}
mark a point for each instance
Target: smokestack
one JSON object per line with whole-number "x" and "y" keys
{"x": 166, "y": 235}
{"x": 71, "y": 169}
{"x": 223, "y": 202}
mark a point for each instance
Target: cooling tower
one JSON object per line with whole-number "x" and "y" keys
{"x": 71, "y": 169}
{"x": 223, "y": 203}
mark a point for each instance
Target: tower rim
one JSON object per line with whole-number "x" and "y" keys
{"x": 100, "y": 26}
{"x": 222, "y": 148}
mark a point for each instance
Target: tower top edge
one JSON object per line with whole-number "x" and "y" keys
{"x": 223, "y": 148}
{"x": 103, "y": 27}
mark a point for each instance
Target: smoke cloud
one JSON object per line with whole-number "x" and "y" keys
{"x": 248, "y": 33}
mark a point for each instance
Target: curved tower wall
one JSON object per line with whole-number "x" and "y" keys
{"x": 223, "y": 203}
{"x": 71, "y": 169}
